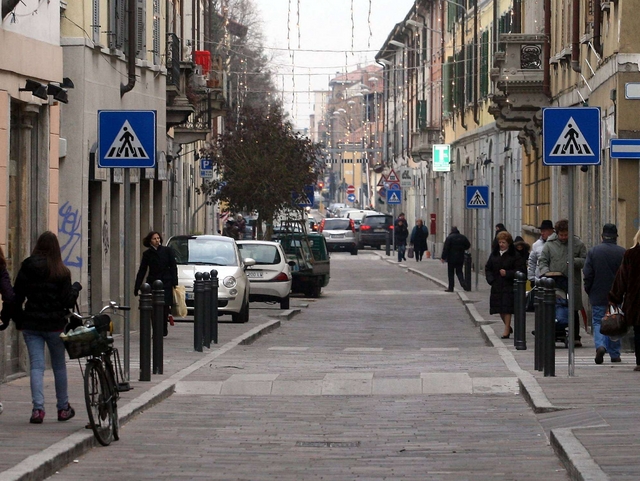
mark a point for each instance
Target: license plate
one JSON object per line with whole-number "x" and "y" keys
{"x": 337, "y": 236}
{"x": 254, "y": 273}
{"x": 378, "y": 230}
{"x": 188, "y": 296}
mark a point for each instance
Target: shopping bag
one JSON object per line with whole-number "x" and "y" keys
{"x": 410, "y": 252}
{"x": 179, "y": 308}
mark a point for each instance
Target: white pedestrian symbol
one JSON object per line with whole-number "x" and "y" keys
{"x": 477, "y": 199}
{"x": 126, "y": 145}
{"x": 571, "y": 142}
{"x": 302, "y": 200}
{"x": 394, "y": 198}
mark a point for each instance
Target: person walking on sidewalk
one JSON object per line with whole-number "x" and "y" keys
{"x": 7, "y": 297}
{"x": 400, "y": 234}
{"x": 555, "y": 258}
{"x": 533, "y": 270}
{"x": 45, "y": 282}
{"x": 500, "y": 271}
{"x": 626, "y": 292}
{"x": 453, "y": 251}
{"x": 599, "y": 272}
{"x": 161, "y": 263}
{"x": 419, "y": 236}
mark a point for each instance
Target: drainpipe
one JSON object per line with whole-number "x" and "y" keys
{"x": 463, "y": 50}
{"x": 575, "y": 37}
{"x": 597, "y": 19}
{"x": 476, "y": 74}
{"x": 546, "y": 80}
{"x": 131, "y": 59}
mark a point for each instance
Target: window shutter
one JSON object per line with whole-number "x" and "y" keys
{"x": 422, "y": 114}
{"x": 447, "y": 86}
{"x": 141, "y": 33}
{"x": 95, "y": 27}
{"x": 484, "y": 65}
{"x": 156, "y": 32}
{"x": 469, "y": 74}
{"x": 117, "y": 24}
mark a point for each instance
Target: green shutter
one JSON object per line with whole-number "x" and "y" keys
{"x": 447, "y": 91}
{"x": 422, "y": 114}
{"x": 484, "y": 65}
{"x": 459, "y": 80}
{"x": 469, "y": 74}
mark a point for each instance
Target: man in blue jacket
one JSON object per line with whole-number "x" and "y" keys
{"x": 599, "y": 272}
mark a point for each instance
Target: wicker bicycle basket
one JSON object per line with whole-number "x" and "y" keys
{"x": 89, "y": 343}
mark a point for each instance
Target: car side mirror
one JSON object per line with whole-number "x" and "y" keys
{"x": 248, "y": 262}
{"x": 292, "y": 263}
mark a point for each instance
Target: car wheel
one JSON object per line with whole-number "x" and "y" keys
{"x": 243, "y": 315}
{"x": 354, "y": 252}
{"x": 378, "y": 247}
{"x": 284, "y": 303}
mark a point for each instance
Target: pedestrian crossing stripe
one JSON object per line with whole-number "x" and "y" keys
{"x": 571, "y": 142}
{"x": 126, "y": 145}
{"x": 393, "y": 197}
{"x": 477, "y": 199}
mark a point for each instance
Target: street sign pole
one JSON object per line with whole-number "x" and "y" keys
{"x": 477, "y": 260}
{"x": 570, "y": 289}
{"x": 127, "y": 273}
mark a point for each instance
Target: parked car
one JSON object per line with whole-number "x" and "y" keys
{"x": 340, "y": 234}
{"x": 203, "y": 253}
{"x": 373, "y": 230}
{"x": 270, "y": 277}
{"x": 357, "y": 216}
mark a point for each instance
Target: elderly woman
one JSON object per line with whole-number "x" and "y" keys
{"x": 500, "y": 272}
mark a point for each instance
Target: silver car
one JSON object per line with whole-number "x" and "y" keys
{"x": 340, "y": 234}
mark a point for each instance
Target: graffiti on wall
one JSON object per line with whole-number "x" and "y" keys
{"x": 70, "y": 234}
{"x": 105, "y": 232}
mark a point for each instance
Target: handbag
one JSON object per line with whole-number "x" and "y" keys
{"x": 613, "y": 323}
{"x": 179, "y": 307}
{"x": 410, "y": 252}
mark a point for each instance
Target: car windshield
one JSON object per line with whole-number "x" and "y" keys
{"x": 204, "y": 251}
{"x": 263, "y": 254}
{"x": 375, "y": 221}
{"x": 336, "y": 224}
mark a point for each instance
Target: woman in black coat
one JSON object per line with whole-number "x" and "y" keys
{"x": 419, "y": 236}
{"x": 500, "y": 272}
{"x": 161, "y": 263}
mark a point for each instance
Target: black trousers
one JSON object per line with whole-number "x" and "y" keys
{"x": 458, "y": 270}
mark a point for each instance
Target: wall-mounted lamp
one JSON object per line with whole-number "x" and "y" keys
{"x": 395, "y": 43}
{"x": 385, "y": 62}
{"x": 36, "y": 88}
{"x": 58, "y": 93}
{"x": 484, "y": 159}
{"x": 413, "y": 23}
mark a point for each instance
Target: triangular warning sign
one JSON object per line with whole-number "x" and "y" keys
{"x": 382, "y": 180}
{"x": 302, "y": 200}
{"x": 393, "y": 198}
{"x": 126, "y": 145}
{"x": 571, "y": 142}
{"x": 393, "y": 177}
{"x": 477, "y": 199}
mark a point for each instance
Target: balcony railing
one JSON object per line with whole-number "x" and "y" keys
{"x": 422, "y": 141}
{"x": 173, "y": 60}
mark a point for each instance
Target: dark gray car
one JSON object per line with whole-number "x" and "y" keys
{"x": 373, "y": 230}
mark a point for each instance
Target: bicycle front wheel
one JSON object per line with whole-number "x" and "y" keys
{"x": 99, "y": 403}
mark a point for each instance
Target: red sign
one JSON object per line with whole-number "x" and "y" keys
{"x": 432, "y": 230}
{"x": 351, "y": 189}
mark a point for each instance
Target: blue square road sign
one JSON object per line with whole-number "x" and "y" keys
{"x": 571, "y": 136}
{"x": 477, "y": 196}
{"x": 127, "y": 138}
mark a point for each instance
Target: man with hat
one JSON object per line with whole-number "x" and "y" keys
{"x": 533, "y": 271}
{"x": 599, "y": 272}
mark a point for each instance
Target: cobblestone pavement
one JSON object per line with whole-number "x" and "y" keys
{"x": 383, "y": 377}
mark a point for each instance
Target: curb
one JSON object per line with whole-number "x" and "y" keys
{"x": 60, "y": 454}
{"x": 575, "y": 458}
{"x": 287, "y": 315}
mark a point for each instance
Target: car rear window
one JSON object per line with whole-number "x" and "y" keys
{"x": 193, "y": 250}
{"x": 263, "y": 254}
{"x": 336, "y": 224}
{"x": 377, "y": 221}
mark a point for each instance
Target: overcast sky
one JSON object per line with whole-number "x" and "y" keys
{"x": 323, "y": 25}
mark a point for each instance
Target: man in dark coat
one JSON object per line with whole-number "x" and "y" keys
{"x": 599, "y": 272}
{"x": 400, "y": 235}
{"x": 453, "y": 254}
{"x": 419, "y": 237}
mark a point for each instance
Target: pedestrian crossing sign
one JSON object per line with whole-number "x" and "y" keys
{"x": 571, "y": 136}
{"x": 477, "y": 196}
{"x": 127, "y": 138}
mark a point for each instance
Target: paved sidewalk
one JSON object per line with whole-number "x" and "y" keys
{"x": 37, "y": 451}
{"x": 591, "y": 417}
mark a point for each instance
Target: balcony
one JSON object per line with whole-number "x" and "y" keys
{"x": 519, "y": 74}
{"x": 422, "y": 142}
{"x": 208, "y": 103}
{"x": 178, "y": 106}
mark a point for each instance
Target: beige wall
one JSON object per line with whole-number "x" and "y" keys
{"x": 4, "y": 166}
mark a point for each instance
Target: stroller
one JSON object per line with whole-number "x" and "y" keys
{"x": 562, "y": 307}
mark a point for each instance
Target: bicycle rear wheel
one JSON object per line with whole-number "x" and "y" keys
{"x": 99, "y": 403}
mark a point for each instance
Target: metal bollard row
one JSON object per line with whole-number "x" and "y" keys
{"x": 545, "y": 327}
{"x": 205, "y": 309}
{"x": 158, "y": 326}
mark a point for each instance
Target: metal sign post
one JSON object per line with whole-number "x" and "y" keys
{"x": 477, "y": 197}
{"x": 570, "y": 289}
{"x": 127, "y": 139}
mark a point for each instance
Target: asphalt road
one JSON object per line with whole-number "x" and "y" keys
{"x": 383, "y": 377}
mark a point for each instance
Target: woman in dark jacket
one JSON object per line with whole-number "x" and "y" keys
{"x": 419, "y": 236}
{"x": 626, "y": 292}
{"x": 400, "y": 234}
{"x": 45, "y": 282}
{"x": 161, "y": 263}
{"x": 500, "y": 272}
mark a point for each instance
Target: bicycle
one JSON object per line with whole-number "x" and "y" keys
{"x": 89, "y": 336}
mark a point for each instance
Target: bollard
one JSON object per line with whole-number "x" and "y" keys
{"x": 214, "y": 306}
{"x": 537, "y": 347}
{"x": 158, "y": 326}
{"x": 146, "y": 310}
{"x": 520, "y": 313}
{"x": 198, "y": 312}
{"x": 387, "y": 247}
{"x": 467, "y": 271}
{"x": 206, "y": 294}
{"x": 549, "y": 328}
